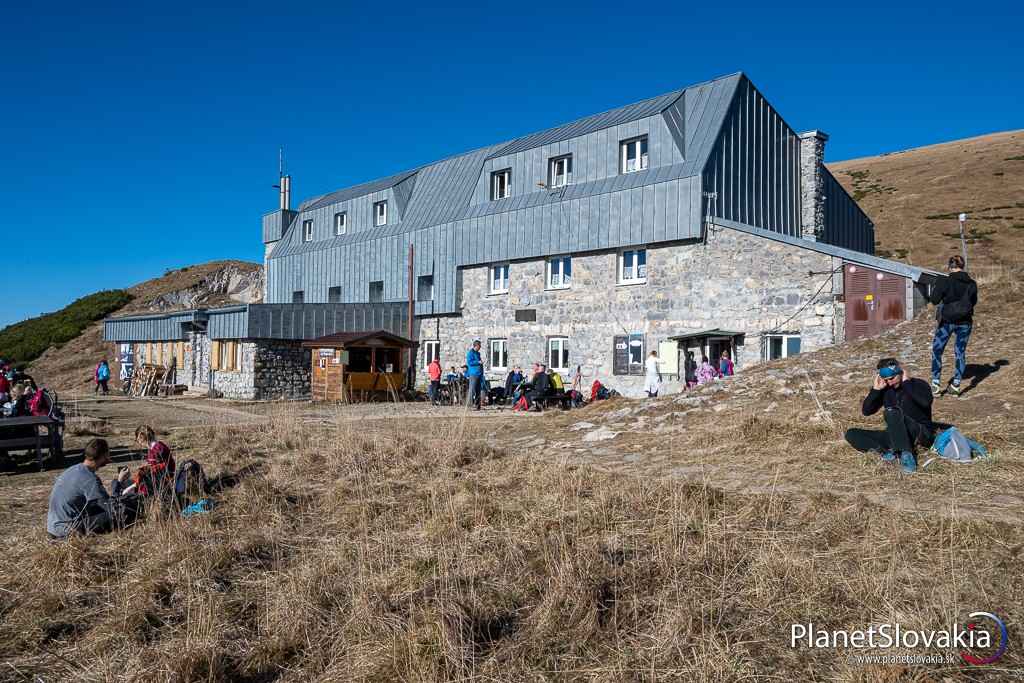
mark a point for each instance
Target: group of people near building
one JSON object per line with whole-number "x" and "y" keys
{"x": 905, "y": 401}
{"x": 80, "y": 503}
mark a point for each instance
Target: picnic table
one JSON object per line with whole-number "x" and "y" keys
{"x": 13, "y": 436}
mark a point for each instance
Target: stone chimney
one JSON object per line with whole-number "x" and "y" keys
{"x": 812, "y": 183}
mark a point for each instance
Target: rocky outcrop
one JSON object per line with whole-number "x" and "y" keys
{"x": 230, "y": 284}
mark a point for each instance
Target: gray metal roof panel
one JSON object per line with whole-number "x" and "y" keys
{"x": 589, "y": 124}
{"x": 895, "y": 267}
{"x": 356, "y": 191}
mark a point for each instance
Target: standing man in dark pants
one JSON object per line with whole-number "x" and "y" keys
{"x": 956, "y": 296}
{"x": 474, "y": 373}
{"x": 908, "y": 416}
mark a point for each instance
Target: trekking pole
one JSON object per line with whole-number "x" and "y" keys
{"x": 963, "y": 239}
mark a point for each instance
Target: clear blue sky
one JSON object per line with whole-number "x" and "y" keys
{"x": 136, "y": 139}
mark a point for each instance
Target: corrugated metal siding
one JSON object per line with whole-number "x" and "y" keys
{"x": 306, "y": 321}
{"x": 275, "y": 224}
{"x": 228, "y": 324}
{"x": 754, "y": 167}
{"x": 846, "y": 224}
{"x": 170, "y": 327}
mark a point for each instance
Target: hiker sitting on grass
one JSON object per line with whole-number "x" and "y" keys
{"x": 156, "y": 477}
{"x": 80, "y": 504}
{"x": 908, "y": 416}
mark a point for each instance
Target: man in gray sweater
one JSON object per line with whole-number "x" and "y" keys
{"x": 79, "y": 503}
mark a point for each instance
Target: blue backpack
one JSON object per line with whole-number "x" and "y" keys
{"x": 103, "y": 372}
{"x": 953, "y": 445}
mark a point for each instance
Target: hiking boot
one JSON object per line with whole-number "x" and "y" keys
{"x": 908, "y": 463}
{"x": 889, "y": 455}
{"x": 936, "y": 388}
{"x": 954, "y": 389}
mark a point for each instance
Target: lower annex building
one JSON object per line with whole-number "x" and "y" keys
{"x": 694, "y": 221}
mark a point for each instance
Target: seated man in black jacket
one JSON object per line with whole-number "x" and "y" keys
{"x": 908, "y": 416}
{"x": 540, "y": 385}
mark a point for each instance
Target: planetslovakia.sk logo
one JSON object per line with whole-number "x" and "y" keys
{"x": 1004, "y": 638}
{"x": 966, "y": 641}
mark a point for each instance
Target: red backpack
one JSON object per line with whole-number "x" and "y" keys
{"x": 40, "y": 403}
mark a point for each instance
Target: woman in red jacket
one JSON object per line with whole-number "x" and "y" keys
{"x": 157, "y": 475}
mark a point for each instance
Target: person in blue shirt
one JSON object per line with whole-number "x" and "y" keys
{"x": 474, "y": 373}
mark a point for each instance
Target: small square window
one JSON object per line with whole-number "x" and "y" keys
{"x": 377, "y": 292}
{"x": 431, "y": 350}
{"x": 298, "y": 297}
{"x": 425, "y": 288}
{"x": 499, "y": 354}
{"x": 499, "y": 279}
{"x": 633, "y": 266}
{"x": 501, "y": 184}
{"x": 559, "y": 272}
{"x": 633, "y": 154}
{"x": 307, "y": 231}
{"x": 558, "y": 353}
{"x": 340, "y": 223}
{"x": 380, "y": 213}
{"x": 560, "y": 171}
{"x": 334, "y": 295}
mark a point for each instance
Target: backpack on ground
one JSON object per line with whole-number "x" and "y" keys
{"x": 603, "y": 394}
{"x": 952, "y": 445}
{"x": 190, "y": 483}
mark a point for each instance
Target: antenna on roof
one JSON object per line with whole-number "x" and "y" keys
{"x": 280, "y": 161}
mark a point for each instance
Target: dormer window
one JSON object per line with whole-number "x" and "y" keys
{"x": 307, "y": 231}
{"x": 501, "y": 184}
{"x": 340, "y": 223}
{"x": 633, "y": 154}
{"x": 560, "y": 171}
{"x": 380, "y": 213}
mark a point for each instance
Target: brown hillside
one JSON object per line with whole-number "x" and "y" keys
{"x": 914, "y": 198}
{"x": 69, "y": 368}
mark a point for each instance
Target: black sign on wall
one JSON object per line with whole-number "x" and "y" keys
{"x": 526, "y": 315}
{"x": 620, "y": 354}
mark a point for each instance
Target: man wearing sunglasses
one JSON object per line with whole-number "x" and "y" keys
{"x": 908, "y": 416}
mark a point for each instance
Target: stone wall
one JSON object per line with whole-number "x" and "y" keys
{"x": 282, "y": 370}
{"x": 812, "y": 183}
{"x": 734, "y": 282}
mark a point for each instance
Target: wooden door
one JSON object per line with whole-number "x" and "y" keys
{"x": 874, "y": 300}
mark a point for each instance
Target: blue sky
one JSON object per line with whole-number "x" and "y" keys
{"x": 139, "y": 137}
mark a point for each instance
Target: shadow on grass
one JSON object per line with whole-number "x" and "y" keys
{"x": 979, "y": 373}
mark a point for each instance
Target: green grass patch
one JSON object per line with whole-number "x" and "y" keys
{"x": 1019, "y": 157}
{"x": 25, "y": 341}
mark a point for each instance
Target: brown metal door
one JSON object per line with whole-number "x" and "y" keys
{"x": 874, "y": 300}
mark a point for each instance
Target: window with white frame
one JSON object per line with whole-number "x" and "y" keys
{"x": 307, "y": 231}
{"x": 431, "y": 351}
{"x": 558, "y": 353}
{"x": 560, "y": 171}
{"x": 501, "y": 184}
{"x": 340, "y": 223}
{"x": 559, "y": 272}
{"x": 633, "y": 154}
{"x": 380, "y": 213}
{"x": 499, "y": 354}
{"x": 632, "y": 266}
{"x": 781, "y": 346}
{"x": 499, "y": 278}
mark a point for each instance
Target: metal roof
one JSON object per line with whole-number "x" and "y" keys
{"x": 706, "y": 333}
{"x": 355, "y": 191}
{"x": 351, "y": 338}
{"x": 589, "y": 124}
{"x": 885, "y": 265}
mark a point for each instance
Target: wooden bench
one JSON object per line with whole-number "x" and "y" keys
{"x": 52, "y": 441}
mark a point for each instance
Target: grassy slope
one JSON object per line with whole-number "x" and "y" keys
{"x": 70, "y": 367}
{"x": 914, "y": 197}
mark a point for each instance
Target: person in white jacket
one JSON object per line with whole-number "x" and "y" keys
{"x": 652, "y": 383}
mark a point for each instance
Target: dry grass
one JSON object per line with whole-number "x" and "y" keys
{"x": 358, "y": 555}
